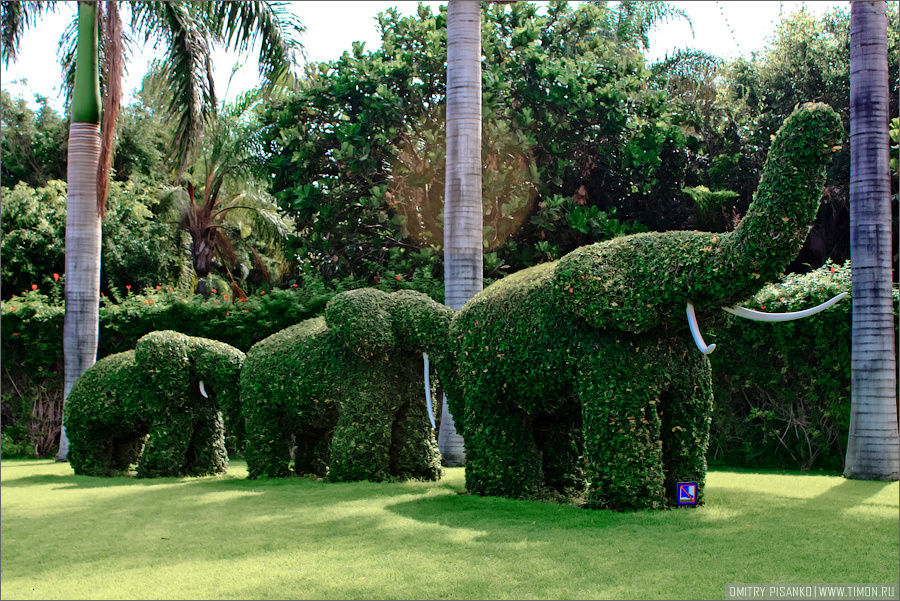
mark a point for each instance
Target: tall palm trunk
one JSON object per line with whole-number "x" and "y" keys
{"x": 873, "y": 449}
{"x": 82, "y": 322}
{"x": 463, "y": 246}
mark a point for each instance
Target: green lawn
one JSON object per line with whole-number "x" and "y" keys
{"x": 66, "y": 536}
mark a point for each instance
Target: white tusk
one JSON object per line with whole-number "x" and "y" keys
{"x": 428, "y": 390}
{"x": 203, "y": 390}
{"x": 760, "y": 316}
{"x": 695, "y": 331}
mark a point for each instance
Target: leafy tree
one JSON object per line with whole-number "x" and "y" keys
{"x": 186, "y": 30}
{"x": 357, "y": 154}
{"x": 229, "y": 212}
{"x": 33, "y": 144}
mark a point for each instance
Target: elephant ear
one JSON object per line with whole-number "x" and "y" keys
{"x": 165, "y": 355}
{"x": 361, "y": 320}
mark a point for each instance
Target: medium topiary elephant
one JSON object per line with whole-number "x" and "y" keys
{"x": 347, "y": 391}
{"x": 582, "y": 374}
{"x": 159, "y": 405}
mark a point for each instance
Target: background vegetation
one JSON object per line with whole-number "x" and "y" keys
{"x": 583, "y": 140}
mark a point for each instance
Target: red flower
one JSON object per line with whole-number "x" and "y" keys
{"x": 262, "y": 291}
{"x": 295, "y": 285}
{"x": 215, "y": 291}
{"x": 55, "y": 277}
{"x": 246, "y": 310}
{"x": 227, "y": 313}
{"x": 127, "y": 286}
{"x": 397, "y": 277}
{"x": 159, "y": 287}
{"x": 12, "y": 308}
{"x": 15, "y": 333}
{"x": 34, "y": 286}
{"x": 833, "y": 269}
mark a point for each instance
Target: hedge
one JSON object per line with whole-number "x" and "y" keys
{"x": 145, "y": 406}
{"x": 783, "y": 389}
{"x": 603, "y": 330}
{"x": 346, "y": 391}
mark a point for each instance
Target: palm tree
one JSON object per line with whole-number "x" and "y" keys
{"x": 233, "y": 202}
{"x": 873, "y": 448}
{"x": 463, "y": 246}
{"x": 185, "y": 30}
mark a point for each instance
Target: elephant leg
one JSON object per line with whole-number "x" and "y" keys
{"x": 686, "y": 414}
{"x": 268, "y": 449}
{"x": 414, "y": 451}
{"x": 502, "y": 458}
{"x": 362, "y": 439}
{"x": 166, "y": 448}
{"x": 622, "y": 434}
{"x": 206, "y": 452}
{"x": 312, "y": 453}
{"x": 126, "y": 450}
{"x": 558, "y": 436}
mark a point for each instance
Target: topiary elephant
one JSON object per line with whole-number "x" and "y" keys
{"x": 582, "y": 374}
{"x": 347, "y": 391}
{"x": 159, "y": 405}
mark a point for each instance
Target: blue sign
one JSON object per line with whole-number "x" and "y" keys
{"x": 687, "y": 493}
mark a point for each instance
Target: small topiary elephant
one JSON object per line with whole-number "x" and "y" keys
{"x": 159, "y": 405}
{"x": 581, "y": 373}
{"x": 346, "y": 391}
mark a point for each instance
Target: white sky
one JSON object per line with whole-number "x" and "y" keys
{"x": 726, "y": 29}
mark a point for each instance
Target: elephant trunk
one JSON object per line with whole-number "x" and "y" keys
{"x": 635, "y": 282}
{"x": 785, "y": 203}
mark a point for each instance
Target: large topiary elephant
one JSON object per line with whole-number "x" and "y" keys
{"x": 581, "y": 373}
{"x": 159, "y": 405}
{"x": 347, "y": 391}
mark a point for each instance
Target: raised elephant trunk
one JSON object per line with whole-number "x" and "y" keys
{"x": 785, "y": 203}
{"x": 636, "y": 282}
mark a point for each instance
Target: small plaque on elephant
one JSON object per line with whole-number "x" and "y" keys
{"x": 687, "y": 493}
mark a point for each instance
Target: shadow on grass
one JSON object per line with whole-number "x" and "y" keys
{"x": 337, "y": 534}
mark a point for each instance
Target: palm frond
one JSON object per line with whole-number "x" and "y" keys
{"x": 15, "y": 18}
{"x": 240, "y": 25}
{"x": 686, "y": 62}
{"x": 186, "y": 82}
{"x": 260, "y": 213}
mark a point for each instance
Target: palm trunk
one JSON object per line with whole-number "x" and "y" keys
{"x": 82, "y": 321}
{"x": 463, "y": 246}
{"x": 873, "y": 448}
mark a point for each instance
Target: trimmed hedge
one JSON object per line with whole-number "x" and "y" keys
{"x": 144, "y": 406}
{"x": 783, "y": 389}
{"x": 346, "y": 391}
{"x": 31, "y": 339}
{"x": 639, "y": 392}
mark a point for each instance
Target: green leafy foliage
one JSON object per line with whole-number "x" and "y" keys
{"x": 33, "y": 145}
{"x": 145, "y": 407}
{"x": 357, "y": 154}
{"x": 783, "y": 390}
{"x": 575, "y": 376}
{"x": 634, "y": 282}
{"x": 137, "y": 243}
{"x": 346, "y": 390}
{"x": 31, "y": 339}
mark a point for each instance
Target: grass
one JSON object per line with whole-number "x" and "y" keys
{"x": 66, "y": 536}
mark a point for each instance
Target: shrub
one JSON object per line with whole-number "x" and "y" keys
{"x": 32, "y": 334}
{"x": 782, "y": 390}
{"x": 144, "y": 406}
{"x": 347, "y": 390}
